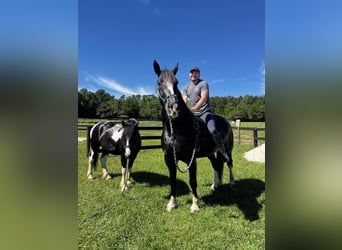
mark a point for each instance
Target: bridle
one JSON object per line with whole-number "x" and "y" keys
{"x": 167, "y": 97}
{"x": 170, "y": 139}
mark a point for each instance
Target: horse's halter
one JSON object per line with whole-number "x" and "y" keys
{"x": 169, "y": 100}
{"x": 165, "y": 100}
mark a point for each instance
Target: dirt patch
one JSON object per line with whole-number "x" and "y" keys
{"x": 256, "y": 154}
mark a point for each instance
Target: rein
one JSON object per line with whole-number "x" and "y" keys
{"x": 174, "y": 149}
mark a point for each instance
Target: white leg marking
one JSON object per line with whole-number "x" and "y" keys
{"x": 90, "y": 166}
{"x": 194, "y": 207}
{"x": 217, "y": 181}
{"x": 123, "y": 183}
{"x": 129, "y": 176}
{"x": 172, "y": 204}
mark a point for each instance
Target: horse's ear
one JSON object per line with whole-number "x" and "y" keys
{"x": 124, "y": 123}
{"x": 156, "y": 68}
{"x": 175, "y": 69}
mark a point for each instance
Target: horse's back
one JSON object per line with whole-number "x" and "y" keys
{"x": 101, "y": 135}
{"x": 207, "y": 143}
{"x": 222, "y": 124}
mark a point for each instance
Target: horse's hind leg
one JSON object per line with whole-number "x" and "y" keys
{"x": 91, "y": 164}
{"x": 193, "y": 183}
{"x": 217, "y": 164}
{"x": 105, "y": 174}
{"x": 230, "y": 167}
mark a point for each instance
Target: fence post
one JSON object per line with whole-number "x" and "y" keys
{"x": 255, "y": 135}
{"x": 238, "y": 129}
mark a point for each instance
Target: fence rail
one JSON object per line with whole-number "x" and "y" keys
{"x": 83, "y": 125}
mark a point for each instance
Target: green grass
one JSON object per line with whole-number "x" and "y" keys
{"x": 228, "y": 219}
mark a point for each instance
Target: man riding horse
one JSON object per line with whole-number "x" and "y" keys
{"x": 197, "y": 92}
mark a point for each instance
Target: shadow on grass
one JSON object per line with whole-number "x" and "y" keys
{"x": 153, "y": 180}
{"x": 244, "y": 194}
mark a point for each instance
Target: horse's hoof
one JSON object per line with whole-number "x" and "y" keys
{"x": 169, "y": 207}
{"x": 172, "y": 204}
{"x": 213, "y": 187}
{"x": 124, "y": 188}
{"x": 106, "y": 177}
{"x": 90, "y": 177}
{"x": 194, "y": 208}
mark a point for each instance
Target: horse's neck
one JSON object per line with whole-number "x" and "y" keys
{"x": 184, "y": 121}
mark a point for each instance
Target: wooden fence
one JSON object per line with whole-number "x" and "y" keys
{"x": 256, "y": 139}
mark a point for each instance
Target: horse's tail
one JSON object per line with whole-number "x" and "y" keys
{"x": 88, "y": 141}
{"x": 90, "y": 150}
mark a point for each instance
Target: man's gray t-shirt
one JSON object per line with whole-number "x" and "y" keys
{"x": 193, "y": 92}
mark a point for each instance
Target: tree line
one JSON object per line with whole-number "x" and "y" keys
{"x": 105, "y": 106}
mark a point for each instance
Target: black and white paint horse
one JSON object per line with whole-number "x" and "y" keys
{"x": 186, "y": 137}
{"x": 117, "y": 139}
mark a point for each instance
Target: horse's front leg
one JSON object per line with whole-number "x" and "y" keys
{"x": 125, "y": 174}
{"x": 193, "y": 183}
{"x": 105, "y": 174}
{"x": 172, "y": 174}
{"x": 130, "y": 166}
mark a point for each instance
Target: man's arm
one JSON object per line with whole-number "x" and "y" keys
{"x": 201, "y": 101}
{"x": 185, "y": 98}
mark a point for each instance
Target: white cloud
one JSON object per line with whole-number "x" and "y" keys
{"x": 261, "y": 70}
{"x": 217, "y": 81}
{"x": 115, "y": 86}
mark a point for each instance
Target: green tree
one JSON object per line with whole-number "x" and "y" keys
{"x": 131, "y": 106}
{"x": 86, "y": 104}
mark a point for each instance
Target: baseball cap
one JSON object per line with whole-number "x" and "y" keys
{"x": 195, "y": 69}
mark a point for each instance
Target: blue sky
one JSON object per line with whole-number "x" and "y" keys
{"x": 118, "y": 41}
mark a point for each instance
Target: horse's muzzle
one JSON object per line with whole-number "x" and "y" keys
{"x": 172, "y": 110}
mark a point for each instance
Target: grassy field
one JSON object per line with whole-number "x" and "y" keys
{"x": 228, "y": 218}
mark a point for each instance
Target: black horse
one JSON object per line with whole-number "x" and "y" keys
{"x": 117, "y": 139}
{"x": 186, "y": 137}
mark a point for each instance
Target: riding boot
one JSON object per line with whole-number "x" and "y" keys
{"x": 218, "y": 139}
